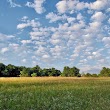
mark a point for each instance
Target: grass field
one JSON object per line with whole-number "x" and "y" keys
{"x": 54, "y": 93}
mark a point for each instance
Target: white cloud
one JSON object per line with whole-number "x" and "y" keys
{"x": 81, "y": 5}
{"x": 62, "y": 6}
{"x": 3, "y": 50}
{"x": 24, "y": 60}
{"x": 98, "y": 16}
{"x": 109, "y": 20}
{"x": 4, "y": 37}
{"x": 12, "y": 4}
{"x": 26, "y": 41}
{"x": 23, "y": 25}
{"x": 79, "y": 16}
{"x": 55, "y": 17}
{"x": 45, "y": 56}
{"x": 106, "y": 41}
{"x": 37, "y": 5}
{"x": 28, "y": 23}
{"x": 99, "y": 4}
{"x": 24, "y": 18}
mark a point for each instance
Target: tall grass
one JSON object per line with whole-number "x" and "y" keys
{"x": 54, "y": 93}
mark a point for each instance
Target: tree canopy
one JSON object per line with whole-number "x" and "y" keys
{"x": 36, "y": 71}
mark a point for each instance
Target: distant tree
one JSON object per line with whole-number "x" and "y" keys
{"x": 66, "y": 71}
{"x": 94, "y": 75}
{"x": 25, "y": 72}
{"x": 45, "y": 72}
{"x": 55, "y": 72}
{"x": 88, "y": 75}
{"x": 2, "y": 68}
{"x": 105, "y": 72}
{"x": 13, "y": 71}
{"x": 37, "y": 70}
{"x": 70, "y": 72}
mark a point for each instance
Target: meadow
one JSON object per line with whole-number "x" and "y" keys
{"x": 54, "y": 93}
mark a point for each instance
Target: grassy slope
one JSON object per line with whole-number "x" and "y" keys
{"x": 55, "y": 93}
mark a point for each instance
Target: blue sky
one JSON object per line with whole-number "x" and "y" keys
{"x": 55, "y": 33}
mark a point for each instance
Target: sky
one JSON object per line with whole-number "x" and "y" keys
{"x": 55, "y": 33}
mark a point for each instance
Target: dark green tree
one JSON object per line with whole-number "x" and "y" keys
{"x": 2, "y": 68}
{"x": 37, "y": 70}
{"x": 13, "y": 71}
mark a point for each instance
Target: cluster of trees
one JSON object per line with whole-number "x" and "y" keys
{"x": 105, "y": 72}
{"x": 70, "y": 72}
{"x": 22, "y": 71}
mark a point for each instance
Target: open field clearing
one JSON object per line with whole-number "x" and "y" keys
{"x": 50, "y": 93}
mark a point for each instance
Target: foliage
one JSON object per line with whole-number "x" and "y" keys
{"x": 89, "y": 75}
{"x": 25, "y": 72}
{"x": 13, "y": 70}
{"x": 105, "y": 72}
{"x": 70, "y": 72}
{"x": 16, "y": 71}
{"x": 33, "y": 74}
{"x": 2, "y": 68}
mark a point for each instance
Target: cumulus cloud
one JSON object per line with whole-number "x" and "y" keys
{"x": 4, "y": 37}
{"x": 45, "y": 56}
{"x": 98, "y": 16}
{"x": 24, "y": 60}
{"x": 99, "y": 4}
{"x": 72, "y": 6}
{"x": 12, "y": 4}
{"x": 28, "y": 23}
{"x": 4, "y": 50}
{"x": 62, "y": 6}
{"x": 37, "y": 5}
{"x": 26, "y": 41}
{"x": 106, "y": 41}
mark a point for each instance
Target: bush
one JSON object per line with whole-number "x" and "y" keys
{"x": 34, "y": 75}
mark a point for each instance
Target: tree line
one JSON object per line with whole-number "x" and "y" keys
{"x": 22, "y": 71}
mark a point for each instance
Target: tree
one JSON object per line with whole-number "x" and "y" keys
{"x": 87, "y": 75}
{"x": 105, "y": 72}
{"x": 25, "y": 72}
{"x": 55, "y": 72}
{"x": 13, "y": 70}
{"x": 70, "y": 72}
{"x": 2, "y": 68}
{"x": 37, "y": 70}
{"x": 66, "y": 71}
{"x": 94, "y": 75}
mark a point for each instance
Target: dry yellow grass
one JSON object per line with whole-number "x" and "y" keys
{"x": 43, "y": 79}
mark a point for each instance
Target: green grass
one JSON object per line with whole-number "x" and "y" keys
{"x": 55, "y": 93}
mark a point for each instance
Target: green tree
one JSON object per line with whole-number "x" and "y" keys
{"x": 2, "y": 68}
{"x": 37, "y": 70}
{"x": 94, "y": 75}
{"x": 105, "y": 72}
{"x": 88, "y": 75}
{"x": 70, "y": 72}
{"x": 25, "y": 72}
{"x": 66, "y": 71}
{"x": 13, "y": 70}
